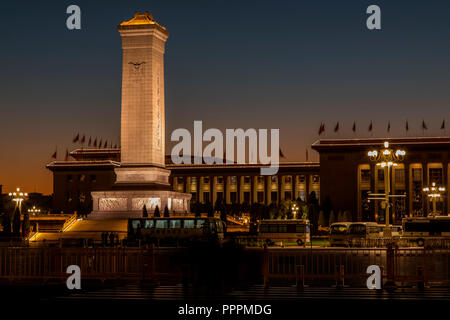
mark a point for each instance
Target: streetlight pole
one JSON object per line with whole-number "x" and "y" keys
{"x": 18, "y": 197}
{"x": 434, "y": 193}
{"x": 386, "y": 158}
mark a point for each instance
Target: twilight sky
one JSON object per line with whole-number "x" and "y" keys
{"x": 260, "y": 64}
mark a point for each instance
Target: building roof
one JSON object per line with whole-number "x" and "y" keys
{"x": 110, "y": 158}
{"x": 141, "y": 20}
{"x": 64, "y": 165}
{"x": 422, "y": 142}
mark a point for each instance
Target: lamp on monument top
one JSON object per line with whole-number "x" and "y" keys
{"x": 18, "y": 197}
{"x": 387, "y": 158}
{"x": 434, "y": 193}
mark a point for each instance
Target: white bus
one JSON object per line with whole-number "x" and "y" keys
{"x": 273, "y": 231}
{"x": 339, "y": 234}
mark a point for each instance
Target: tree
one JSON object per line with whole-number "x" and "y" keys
{"x": 144, "y": 211}
{"x": 6, "y": 223}
{"x": 273, "y": 211}
{"x": 322, "y": 221}
{"x": 157, "y": 214}
{"x": 340, "y": 217}
{"x": 166, "y": 212}
{"x": 198, "y": 212}
{"x": 26, "y": 224}
{"x": 210, "y": 211}
{"x": 332, "y": 218}
{"x": 347, "y": 216}
{"x": 16, "y": 222}
{"x": 327, "y": 206}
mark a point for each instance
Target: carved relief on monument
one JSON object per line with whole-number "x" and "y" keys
{"x": 150, "y": 203}
{"x": 178, "y": 205}
{"x": 112, "y": 204}
{"x": 158, "y": 133}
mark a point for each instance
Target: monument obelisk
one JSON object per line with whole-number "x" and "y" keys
{"x": 141, "y": 178}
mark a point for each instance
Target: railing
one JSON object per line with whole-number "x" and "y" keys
{"x": 69, "y": 221}
{"x": 403, "y": 266}
{"x": 95, "y": 263}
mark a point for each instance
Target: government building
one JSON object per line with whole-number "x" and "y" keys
{"x": 344, "y": 174}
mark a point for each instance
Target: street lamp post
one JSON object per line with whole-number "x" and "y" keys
{"x": 34, "y": 211}
{"x": 18, "y": 197}
{"x": 434, "y": 192}
{"x": 386, "y": 158}
{"x": 295, "y": 210}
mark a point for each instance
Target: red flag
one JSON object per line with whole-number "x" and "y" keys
{"x": 95, "y": 143}
{"x": 389, "y": 127}
{"x": 424, "y": 125}
{"x": 443, "y": 125}
{"x": 67, "y": 155}
{"x": 354, "y": 126}
{"x": 370, "y": 126}
{"x": 336, "y": 128}
{"x": 54, "y": 154}
{"x": 100, "y": 143}
{"x": 407, "y": 126}
{"x": 321, "y": 128}
{"x": 106, "y": 144}
{"x": 77, "y": 137}
{"x": 83, "y": 139}
{"x": 115, "y": 147}
{"x": 90, "y": 142}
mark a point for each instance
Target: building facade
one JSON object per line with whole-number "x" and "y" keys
{"x": 348, "y": 176}
{"x": 93, "y": 170}
{"x": 344, "y": 176}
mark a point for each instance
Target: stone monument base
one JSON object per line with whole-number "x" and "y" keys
{"x": 124, "y": 204}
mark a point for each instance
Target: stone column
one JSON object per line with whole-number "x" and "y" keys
{"x": 211, "y": 190}
{"x": 198, "y": 187}
{"x": 425, "y": 183}
{"x": 252, "y": 189}
{"x": 307, "y": 182}
{"x": 268, "y": 188}
{"x": 238, "y": 188}
{"x": 225, "y": 190}
{"x": 279, "y": 182}
{"x": 295, "y": 187}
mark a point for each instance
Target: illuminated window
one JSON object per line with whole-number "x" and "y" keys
{"x": 417, "y": 174}
{"x": 435, "y": 175}
{"x": 380, "y": 173}
{"x": 365, "y": 175}
{"x": 399, "y": 176}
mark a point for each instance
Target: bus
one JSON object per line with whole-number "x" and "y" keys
{"x": 362, "y": 233}
{"x": 272, "y": 231}
{"x": 419, "y": 230}
{"x": 174, "y": 230}
{"x": 339, "y": 234}
{"x": 396, "y": 231}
